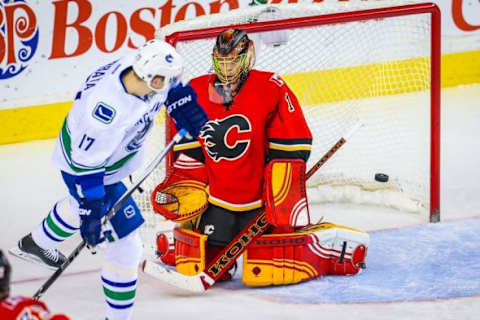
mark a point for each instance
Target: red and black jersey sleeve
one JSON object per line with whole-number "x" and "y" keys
{"x": 288, "y": 133}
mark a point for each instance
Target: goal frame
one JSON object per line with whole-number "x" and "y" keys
{"x": 351, "y": 16}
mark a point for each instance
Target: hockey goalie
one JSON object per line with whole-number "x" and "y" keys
{"x": 249, "y": 157}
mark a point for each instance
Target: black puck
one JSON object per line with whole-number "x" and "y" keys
{"x": 381, "y": 177}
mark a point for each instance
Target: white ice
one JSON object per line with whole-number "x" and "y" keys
{"x": 29, "y": 185}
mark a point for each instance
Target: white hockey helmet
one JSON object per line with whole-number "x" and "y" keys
{"x": 158, "y": 58}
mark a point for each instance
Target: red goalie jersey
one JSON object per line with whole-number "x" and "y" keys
{"x": 263, "y": 122}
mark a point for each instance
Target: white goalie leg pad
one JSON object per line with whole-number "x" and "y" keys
{"x": 119, "y": 275}
{"x": 61, "y": 222}
{"x": 346, "y": 248}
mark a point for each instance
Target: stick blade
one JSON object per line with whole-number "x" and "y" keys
{"x": 173, "y": 278}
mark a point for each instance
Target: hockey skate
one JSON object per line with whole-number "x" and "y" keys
{"x": 28, "y": 250}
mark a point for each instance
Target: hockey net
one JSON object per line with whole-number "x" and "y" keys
{"x": 374, "y": 63}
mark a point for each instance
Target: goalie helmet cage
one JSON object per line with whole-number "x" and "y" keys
{"x": 374, "y": 62}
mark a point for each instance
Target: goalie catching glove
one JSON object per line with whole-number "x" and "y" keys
{"x": 181, "y": 196}
{"x": 180, "y": 201}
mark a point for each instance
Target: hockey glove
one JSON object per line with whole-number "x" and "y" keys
{"x": 183, "y": 107}
{"x": 92, "y": 207}
{"x": 91, "y": 213}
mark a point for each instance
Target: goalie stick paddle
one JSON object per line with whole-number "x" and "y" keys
{"x": 148, "y": 170}
{"x": 227, "y": 257}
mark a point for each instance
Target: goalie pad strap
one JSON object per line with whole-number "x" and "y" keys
{"x": 285, "y": 194}
{"x": 279, "y": 259}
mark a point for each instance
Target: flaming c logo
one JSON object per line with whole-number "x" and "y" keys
{"x": 228, "y": 138}
{"x": 18, "y": 37}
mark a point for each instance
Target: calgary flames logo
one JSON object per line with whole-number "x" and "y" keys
{"x": 227, "y": 138}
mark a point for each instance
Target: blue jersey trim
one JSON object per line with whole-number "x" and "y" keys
{"x": 59, "y": 219}
{"x": 119, "y": 284}
{"x": 48, "y": 233}
{"x": 116, "y": 306}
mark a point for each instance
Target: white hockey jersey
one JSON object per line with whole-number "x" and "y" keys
{"x": 106, "y": 128}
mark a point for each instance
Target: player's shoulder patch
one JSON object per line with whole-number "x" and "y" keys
{"x": 104, "y": 113}
{"x": 275, "y": 78}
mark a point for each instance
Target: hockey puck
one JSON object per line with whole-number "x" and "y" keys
{"x": 381, "y": 177}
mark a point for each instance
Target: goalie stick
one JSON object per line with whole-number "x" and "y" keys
{"x": 227, "y": 257}
{"x": 148, "y": 170}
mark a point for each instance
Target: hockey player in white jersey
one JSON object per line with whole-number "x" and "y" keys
{"x": 100, "y": 143}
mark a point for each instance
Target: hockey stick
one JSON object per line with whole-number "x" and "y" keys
{"x": 149, "y": 169}
{"x": 227, "y": 257}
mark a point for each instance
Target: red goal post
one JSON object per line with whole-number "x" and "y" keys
{"x": 355, "y": 16}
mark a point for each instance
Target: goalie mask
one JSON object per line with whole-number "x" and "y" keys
{"x": 233, "y": 57}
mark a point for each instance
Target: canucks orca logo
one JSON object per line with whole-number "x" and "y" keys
{"x": 220, "y": 140}
{"x": 145, "y": 124}
{"x": 18, "y": 37}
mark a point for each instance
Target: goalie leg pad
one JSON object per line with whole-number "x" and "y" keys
{"x": 346, "y": 246}
{"x": 325, "y": 248}
{"x": 189, "y": 251}
{"x": 166, "y": 248}
{"x": 279, "y": 259}
{"x": 285, "y": 193}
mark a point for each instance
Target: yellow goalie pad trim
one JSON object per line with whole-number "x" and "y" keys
{"x": 281, "y": 181}
{"x": 276, "y": 272}
{"x": 324, "y": 226}
{"x": 189, "y": 265}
